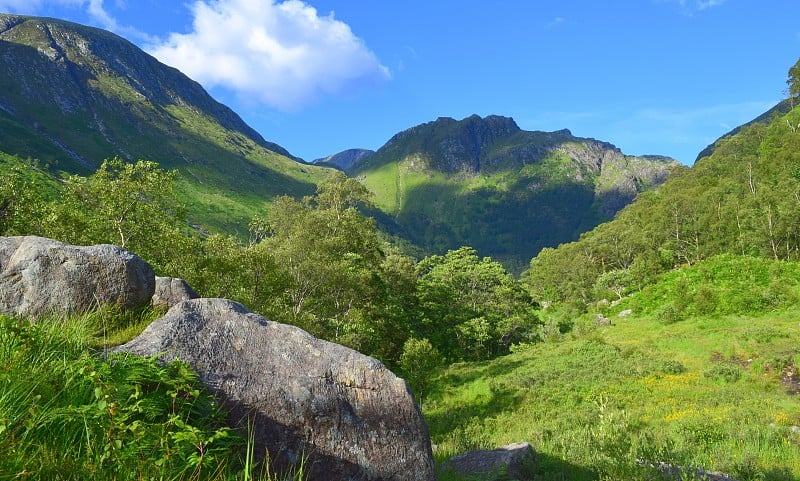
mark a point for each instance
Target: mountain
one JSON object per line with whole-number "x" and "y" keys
{"x": 741, "y": 197}
{"x": 508, "y": 192}
{"x": 344, "y": 160}
{"x": 72, "y": 95}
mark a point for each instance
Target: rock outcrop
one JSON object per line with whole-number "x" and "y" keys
{"x": 41, "y": 276}
{"x": 516, "y": 461}
{"x": 345, "y": 413}
{"x": 170, "y": 291}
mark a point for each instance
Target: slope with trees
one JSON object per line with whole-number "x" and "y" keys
{"x": 486, "y": 183}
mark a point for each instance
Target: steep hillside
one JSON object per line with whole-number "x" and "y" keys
{"x": 779, "y": 110}
{"x": 742, "y": 198}
{"x": 71, "y": 96}
{"x": 487, "y": 183}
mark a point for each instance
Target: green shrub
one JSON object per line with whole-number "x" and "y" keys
{"x": 668, "y": 314}
{"x": 724, "y": 371}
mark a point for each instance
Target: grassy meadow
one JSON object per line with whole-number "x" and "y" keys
{"x": 717, "y": 391}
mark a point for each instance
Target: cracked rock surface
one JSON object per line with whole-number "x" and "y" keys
{"x": 344, "y": 412}
{"x": 40, "y": 276}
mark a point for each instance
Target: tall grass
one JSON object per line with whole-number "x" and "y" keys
{"x": 68, "y": 413}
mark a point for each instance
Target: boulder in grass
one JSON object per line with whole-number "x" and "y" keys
{"x": 515, "y": 461}
{"x": 343, "y": 412}
{"x": 170, "y": 291}
{"x": 40, "y": 277}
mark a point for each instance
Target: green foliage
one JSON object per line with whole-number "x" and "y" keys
{"x": 724, "y": 371}
{"x": 742, "y": 199}
{"x": 125, "y": 204}
{"x": 418, "y": 363}
{"x": 471, "y": 307}
{"x": 68, "y": 414}
{"x": 724, "y": 284}
{"x": 793, "y": 81}
{"x": 616, "y": 402}
{"x": 24, "y": 190}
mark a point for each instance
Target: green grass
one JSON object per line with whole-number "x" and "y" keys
{"x": 706, "y": 391}
{"x": 68, "y": 413}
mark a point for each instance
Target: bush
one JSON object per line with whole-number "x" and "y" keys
{"x": 668, "y": 314}
{"x": 724, "y": 371}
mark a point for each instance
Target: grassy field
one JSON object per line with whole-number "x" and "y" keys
{"x": 717, "y": 391}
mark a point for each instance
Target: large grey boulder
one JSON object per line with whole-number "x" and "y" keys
{"x": 515, "y": 461}
{"x": 172, "y": 290}
{"x": 40, "y": 276}
{"x": 349, "y": 416}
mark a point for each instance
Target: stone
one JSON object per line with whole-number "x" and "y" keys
{"x": 516, "y": 460}
{"x": 170, "y": 291}
{"x": 625, "y": 313}
{"x": 345, "y": 413}
{"x": 40, "y": 277}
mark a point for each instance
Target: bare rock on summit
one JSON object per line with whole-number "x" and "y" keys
{"x": 40, "y": 276}
{"x": 346, "y": 413}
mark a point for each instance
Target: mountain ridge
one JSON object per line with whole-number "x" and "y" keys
{"x": 478, "y": 181}
{"x": 72, "y": 95}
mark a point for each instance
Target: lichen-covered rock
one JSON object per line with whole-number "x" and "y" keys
{"x": 349, "y": 416}
{"x": 40, "y": 276}
{"x": 516, "y": 461}
{"x": 172, "y": 290}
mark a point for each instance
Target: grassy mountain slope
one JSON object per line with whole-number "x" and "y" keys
{"x": 716, "y": 390}
{"x": 485, "y": 182}
{"x": 72, "y": 96}
{"x": 743, "y": 199}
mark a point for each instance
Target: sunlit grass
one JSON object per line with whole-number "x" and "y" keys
{"x": 700, "y": 392}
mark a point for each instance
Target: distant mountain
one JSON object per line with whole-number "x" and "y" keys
{"x": 344, "y": 160}
{"x": 487, "y": 183}
{"x": 72, "y": 96}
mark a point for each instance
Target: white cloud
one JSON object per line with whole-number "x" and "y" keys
{"x": 282, "y": 54}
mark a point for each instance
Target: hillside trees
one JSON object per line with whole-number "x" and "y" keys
{"x": 317, "y": 262}
{"x": 743, "y": 199}
{"x": 794, "y": 82}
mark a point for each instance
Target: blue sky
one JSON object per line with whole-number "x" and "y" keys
{"x": 650, "y": 76}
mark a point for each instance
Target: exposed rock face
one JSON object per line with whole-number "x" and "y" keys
{"x": 172, "y": 290}
{"x": 349, "y": 415}
{"x": 516, "y": 459}
{"x": 40, "y": 276}
{"x": 346, "y": 159}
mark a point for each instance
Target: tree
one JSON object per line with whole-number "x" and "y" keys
{"x": 471, "y": 307}
{"x": 418, "y": 364}
{"x": 130, "y": 205}
{"x": 794, "y": 82}
{"x": 617, "y": 281}
{"x": 329, "y": 259}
